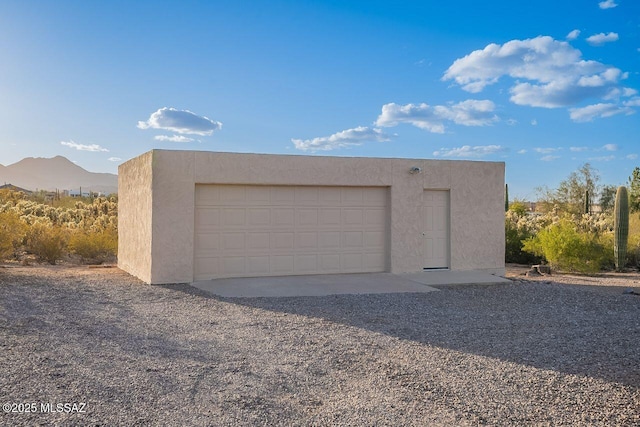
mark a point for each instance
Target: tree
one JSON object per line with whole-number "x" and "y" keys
{"x": 607, "y": 198}
{"x": 634, "y": 190}
{"x": 570, "y": 194}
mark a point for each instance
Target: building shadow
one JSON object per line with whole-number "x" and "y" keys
{"x": 563, "y": 328}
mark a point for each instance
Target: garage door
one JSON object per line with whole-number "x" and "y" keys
{"x": 244, "y": 231}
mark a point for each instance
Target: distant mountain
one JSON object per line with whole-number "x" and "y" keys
{"x": 38, "y": 173}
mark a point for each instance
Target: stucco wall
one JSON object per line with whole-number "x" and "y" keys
{"x": 135, "y": 216}
{"x": 477, "y": 216}
{"x": 167, "y": 216}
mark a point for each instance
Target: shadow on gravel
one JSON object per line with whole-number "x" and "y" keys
{"x": 95, "y": 318}
{"x": 557, "y": 327}
{"x": 548, "y": 326}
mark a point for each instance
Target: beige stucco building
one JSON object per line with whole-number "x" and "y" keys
{"x": 194, "y": 215}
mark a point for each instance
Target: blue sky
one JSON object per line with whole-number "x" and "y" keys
{"x": 544, "y": 86}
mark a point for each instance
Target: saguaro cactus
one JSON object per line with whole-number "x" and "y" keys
{"x": 506, "y": 197}
{"x": 621, "y": 227}
{"x": 587, "y": 202}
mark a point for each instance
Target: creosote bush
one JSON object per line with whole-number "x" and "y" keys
{"x": 94, "y": 247}
{"x": 567, "y": 248}
{"x": 47, "y": 243}
{"x": 12, "y": 232}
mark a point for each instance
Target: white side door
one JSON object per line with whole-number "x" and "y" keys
{"x": 435, "y": 214}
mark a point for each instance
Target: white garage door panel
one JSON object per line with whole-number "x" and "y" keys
{"x": 243, "y": 231}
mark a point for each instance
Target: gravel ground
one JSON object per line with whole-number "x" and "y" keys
{"x": 535, "y": 352}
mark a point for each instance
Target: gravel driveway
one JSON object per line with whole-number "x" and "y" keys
{"x": 125, "y": 353}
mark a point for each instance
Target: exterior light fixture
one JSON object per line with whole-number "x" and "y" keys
{"x": 415, "y": 170}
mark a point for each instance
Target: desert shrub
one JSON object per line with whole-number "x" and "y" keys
{"x": 595, "y": 223}
{"x": 519, "y": 208}
{"x": 514, "y": 242}
{"x": 94, "y": 246}
{"x": 47, "y": 243}
{"x": 607, "y": 261}
{"x": 45, "y": 227}
{"x": 97, "y": 214}
{"x": 567, "y": 248}
{"x": 517, "y": 230}
{"x": 12, "y": 232}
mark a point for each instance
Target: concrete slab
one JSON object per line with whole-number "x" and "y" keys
{"x": 335, "y": 284}
{"x": 447, "y": 277}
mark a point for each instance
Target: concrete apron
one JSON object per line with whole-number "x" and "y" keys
{"x": 335, "y": 284}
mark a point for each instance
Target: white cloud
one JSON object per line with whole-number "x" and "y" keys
{"x": 616, "y": 93}
{"x": 432, "y": 118}
{"x": 546, "y": 150}
{"x": 573, "y": 35}
{"x": 469, "y": 113}
{"x": 602, "y": 38}
{"x": 578, "y": 149}
{"x": 468, "y": 151}
{"x": 534, "y": 122}
{"x": 610, "y": 147}
{"x": 549, "y": 158}
{"x": 547, "y": 73}
{"x": 588, "y": 113}
{"x": 632, "y": 156}
{"x": 346, "y": 138}
{"x": 607, "y": 4}
{"x": 541, "y": 58}
{"x": 523, "y": 151}
{"x": 633, "y": 102}
{"x": 603, "y": 158}
{"x": 83, "y": 147}
{"x": 180, "y": 121}
{"x": 422, "y": 116}
{"x": 173, "y": 138}
{"x": 114, "y": 159}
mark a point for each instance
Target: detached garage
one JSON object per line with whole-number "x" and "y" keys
{"x": 193, "y": 215}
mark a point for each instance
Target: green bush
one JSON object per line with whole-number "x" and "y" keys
{"x": 608, "y": 261}
{"x": 519, "y": 225}
{"x": 514, "y": 238}
{"x": 47, "y": 243}
{"x": 94, "y": 247}
{"x": 12, "y": 232}
{"x": 567, "y": 249}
